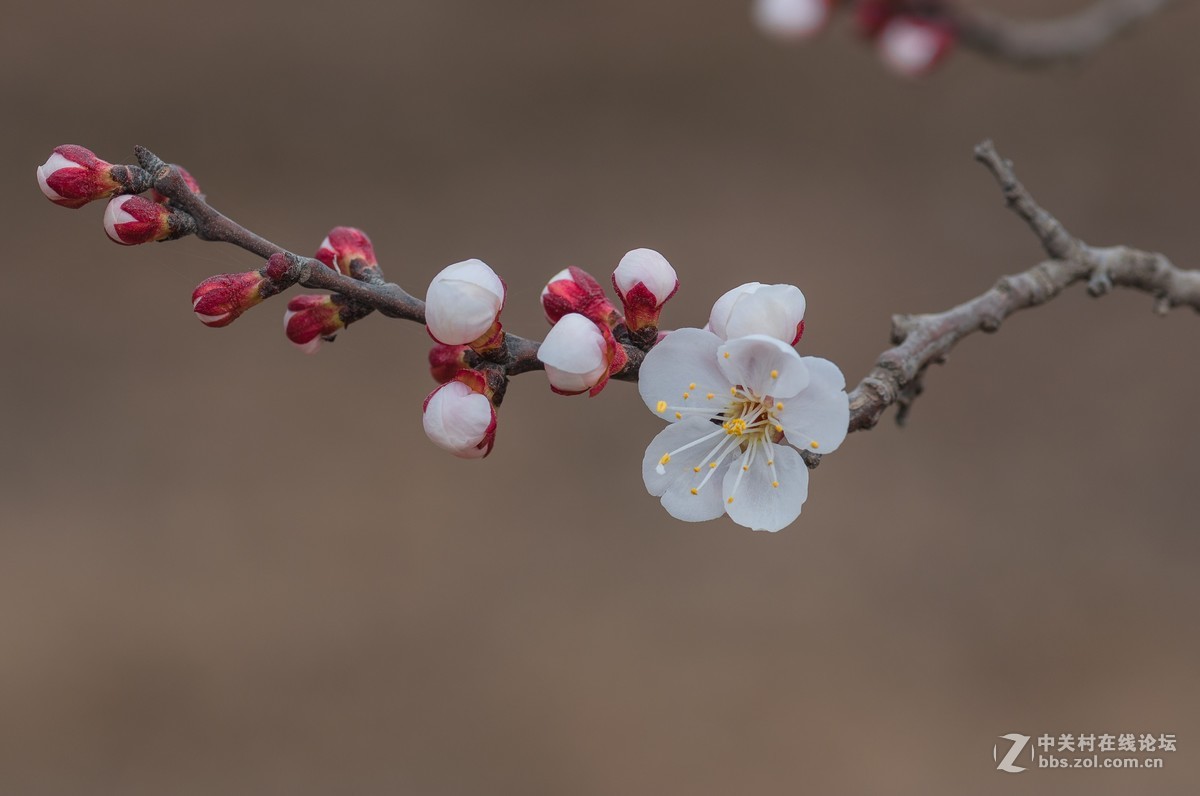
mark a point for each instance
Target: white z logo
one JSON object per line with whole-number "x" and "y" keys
{"x": 1018, "y": 743}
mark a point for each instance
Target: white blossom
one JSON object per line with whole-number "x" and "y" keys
{"x": 463, "y": 302}
{"x": 755, "y": 308}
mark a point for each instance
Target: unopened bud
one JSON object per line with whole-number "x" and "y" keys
{"x": 870, "y": 16}
{"x": 912, "y": 46}
{"x": 754, "y": 308}
{"x": 74, "y": 176}
{"x": 792, "y": 19}
{"x": 644, "y": 280}
{"x": 130, "y": 220}
{"x": 447, "y": 360}
{"x": 580, "y": 356}
{"x": 219, "y": 300}
{"x": 345, "y": 245}
{"x": 459, "y": 416}
{"x": 462, "y": 306}
{"x": 575, "y": 290}
{"x": 310, "y": 319}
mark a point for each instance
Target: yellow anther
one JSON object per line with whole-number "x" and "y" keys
{"x": 774, "y": 374}
{"x": 727, "y": 355}
{"x": 770, "y": 462}
{"x": 666, "y": 458}
{"x": 730, "y": 500}
{"x": 660, "y": 407}
{"x": 815, "y": 445}
{"x": 685, "y": 396}
{"x": 735, "y": 427}
{"x": 745, "y": 468}
{"x": 692, "y": 386}
{"x": 775, "y": 484}
{"x": 695, "y": 491}
{"x": 712, "y": 465}
{"x": 696, "y": 469}
{"x": 709, "y": 396}
{"x": 779, "y": 406}
{"x": 733, "y": 391}
{"x": 779, "y": 428}
{"x": 678, "y": 416}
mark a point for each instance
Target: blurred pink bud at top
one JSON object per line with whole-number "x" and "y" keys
{"x": 131, "y": 219}
{"x": 754, "y": 308}
{"x": 870, "y": 16}
{"x": 310, "y": 319}
{"x": 792, "y": 19}
{"x": 459, "y": 416}
{"x": 188, "y": 180}
{"x": 912, "y": 47}
{"x": 447, "y": 360}
{"x": 219, "y": 300}
{"x": 74, "y": 176}
{"x": 575, "y": 290}
{"x": 580, "y": 355}
{"x": 342, "y": 246}
{"x": 644, "y": 280}
{"x": 463, "y": 303}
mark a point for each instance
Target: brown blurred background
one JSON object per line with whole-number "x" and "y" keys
{"x": 229, "y": 568}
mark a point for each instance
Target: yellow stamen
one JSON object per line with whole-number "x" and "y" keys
{"x": 771, "y": 463}
{"x": 735, "y": 427}
{"x": 666, "y": 458}
{"x": 696, "y": 469}
{"x": 774, "y": 374}
{"x": 733, "y": 391}
{"x": 779, "y": 429}
{"x": 727, "y": 355}
{"x": 685, "y": 396}
{"x": 695, "y": 491}
{"x": 712, "y": 465}
{"x": 745, "y": 468}
{"x": 692, "y": 386}
{"x": 815, "y": 445}
{"x": 775, "y": 484}
{"x": 678, "y": 416}
{"x": 660, "y": 407}
{"x": 730, "y": 500}
{"x": 779, "y": 406}
{"x": 709, "y": 396}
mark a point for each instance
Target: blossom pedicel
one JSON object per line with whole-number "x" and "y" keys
{"x": 735, "y": 410}
{"x": 463, "y": 304}
{"x": 459, "y": 416}
{"x": 580, "y": 355}
{"x": 754, "y": 308}
{"x": 575, "y": 290}
{"x": 644, "y": 280}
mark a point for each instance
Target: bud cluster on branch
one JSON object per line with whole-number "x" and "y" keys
{"x": 747, "y": 415}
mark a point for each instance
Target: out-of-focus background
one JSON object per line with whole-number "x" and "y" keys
{"x": 226, "y": 567}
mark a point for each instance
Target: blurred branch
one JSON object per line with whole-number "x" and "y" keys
{"x": 922, "y": 340}
{"x": 1040, "y": 42}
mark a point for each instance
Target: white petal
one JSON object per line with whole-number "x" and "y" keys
{"x": 476, "y": 272}
{"x": 764, "y": 365}
{"x": 458, "y": 312}
{"x": 774, "y": 310}
{"x": 114, "y": 214}
{"x": 651, "y": 269}
{"x": 719, "y": 317}
{"x": 574, "y": 344}
{"x": 757, "y": 503}
{"x": 457, "y": 418}
{"x": 563, "y": 275}
{"x": 821, "y": 412}
{"x": 684, "y": 362}
{"x": 681, "y": 462}
{"x": 908, "y": 48}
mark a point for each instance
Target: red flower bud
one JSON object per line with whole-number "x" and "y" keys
{"x": 447, "y": 360}
{"x": 311, "y": 319}
{"x": 130, "y": 219}
{"x": 871, "y": 15}
{"x": 342, "y": 246}
{"x": 74, "y": 176}
{"x": 187, "y": 178}
{"x": 575, "y": 290}
{"x": 644, "y": 280}
{"x": 219, "y": 300}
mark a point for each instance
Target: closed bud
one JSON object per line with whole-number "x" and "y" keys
{"x": 74, "y": 176}
{"x": 580, "y": 355}
{"x": 912, "y": 46}
{"x": 188, "y": 180}
{"x": 754, "y": 308}
{"x": 447, "y": 360}
{"x": 462, "y": 306}
{"x": 871, "y": 16}
{"x": 219, "y": 300}
{"x": 644, "y": 280}
{"x": 575, "y": 290}
{"x": 310, "y": 319}
{"x": 349, "y": 251}
{"x": 792, "y": 19}
{"x": 130, "y": 220}
{"x": 459, "y": 416}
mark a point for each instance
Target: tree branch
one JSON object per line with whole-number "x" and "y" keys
{"x": 1033, "y": 43}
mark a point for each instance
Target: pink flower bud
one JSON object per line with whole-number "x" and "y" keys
{"x": 188, "y": 180}
{"x": 463, "y": 303}
{"x": 644, "y": 280}
{"x": 74, "y": 176}
{"x": 870, "y": 16}
{"x": 130, "y": 219}
{"x": 459, "y": 416}
{"x": 310, "y": 319}
{"x": 792, "y": 19}
{"x": 219, "y": 300}
{"x": 575, "y": 290}
{"x": 447, "y": 360}
{"x": 754, "y": 308}
{"x": 912, "y": 47}
{"x": 580, "y": 355}
{"x": 342, "y": 246}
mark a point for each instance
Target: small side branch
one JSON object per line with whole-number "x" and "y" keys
{"x": 922, "y": 340}
{"x": 1041, "y": 42}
